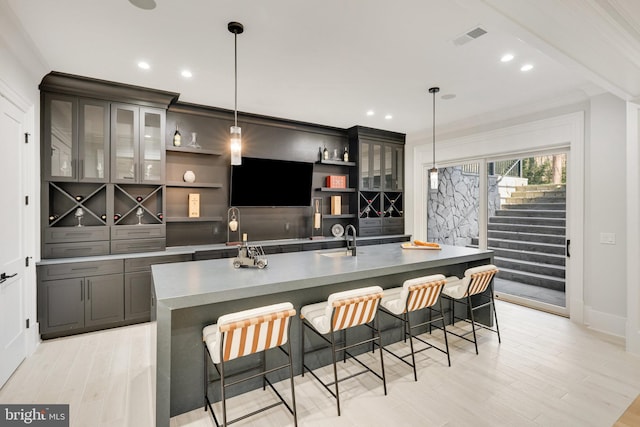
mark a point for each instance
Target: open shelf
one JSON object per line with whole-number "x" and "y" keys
{"x": 336, "y": 190}
{"x": 194, "y": 184}
{"x": 335, "y": 163}
{"x": 200, "y": 219}
{"x": 187, "y": 149}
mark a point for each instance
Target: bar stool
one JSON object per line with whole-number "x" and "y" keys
{"x": 416, "y": 294}
{"x": 476, "y": 280}
{"x": 241, "y": 334}
{"x": 341, "y": 311}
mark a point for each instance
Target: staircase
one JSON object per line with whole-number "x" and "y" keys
{"x": 527, "y": 235}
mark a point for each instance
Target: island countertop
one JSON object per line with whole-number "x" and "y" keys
{"x": 191, "y": 295}
{"x": 190, "y": 284}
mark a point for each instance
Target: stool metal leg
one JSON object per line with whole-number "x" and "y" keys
{"x": 407, "y": 323}
{"x": 376, "y": 325}
{"x": 495, "y": 313}
{"x": 335, "y": 368}
{"x": 444, "y": 330}
{"x": 473, "y": 322}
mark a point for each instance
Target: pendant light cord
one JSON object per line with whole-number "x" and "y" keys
{"x": 235, "y": 48}
{"x": 434, "y": 129}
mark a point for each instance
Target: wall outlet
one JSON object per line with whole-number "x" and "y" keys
{"x": 608, "y": 238}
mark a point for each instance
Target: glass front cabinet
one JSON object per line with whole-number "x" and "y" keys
{"x": 76, "y": 139}
{"x": 138, "y": 153}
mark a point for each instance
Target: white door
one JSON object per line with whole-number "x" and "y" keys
{"x": 12, "y": 245}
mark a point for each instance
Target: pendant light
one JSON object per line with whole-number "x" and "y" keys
{"x": 433, "y": 172}
{"x": 236, "y": 133}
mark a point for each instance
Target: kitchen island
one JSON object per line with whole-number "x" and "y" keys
{"x": 189, "y": 295}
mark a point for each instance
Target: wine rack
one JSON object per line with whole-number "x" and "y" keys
{"x": 137, "y": 204}
{"x": 392, "y": 205}
{"x": 67, "y": 198}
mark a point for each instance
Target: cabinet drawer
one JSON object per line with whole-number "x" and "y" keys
{"x": 394, "y": 230}
{"x": 75, "y": 234}
{"x": 370, "y": 222}
{"x": 390, "y": 222}
{"x": 138, "y": 245}
{"x": 70, "y": 250}
{"x": 126, "y": 232}
{"x": 144, "y": 264}
{"x": 370, "y": 231}
{"x": 80, "y": 269}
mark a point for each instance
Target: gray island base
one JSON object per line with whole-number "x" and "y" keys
{"x": 189, "y": 295}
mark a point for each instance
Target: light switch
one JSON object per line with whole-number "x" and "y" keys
{"x": 608, "y": 238}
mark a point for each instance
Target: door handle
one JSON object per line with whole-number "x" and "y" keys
{"x": 568, "y": 246}
{"x": 5, "y": 276}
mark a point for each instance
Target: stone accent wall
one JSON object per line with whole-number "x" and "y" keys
{"x": 452, "y": 211}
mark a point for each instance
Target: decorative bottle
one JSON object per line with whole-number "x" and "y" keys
{"x": 177, "y": 138}
{"x": 325, "y": 153}
{"x": 345, "y": 155}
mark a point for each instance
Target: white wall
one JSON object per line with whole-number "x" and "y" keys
{"x": 605, "y": 212}
{"x": 21, "y": 69}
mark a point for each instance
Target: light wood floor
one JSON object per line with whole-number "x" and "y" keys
{"x": 547, "y": 372}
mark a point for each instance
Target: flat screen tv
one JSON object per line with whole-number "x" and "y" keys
{"x": 267, "y": 182}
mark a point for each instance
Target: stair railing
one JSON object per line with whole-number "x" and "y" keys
{"x": 508, "y": 170}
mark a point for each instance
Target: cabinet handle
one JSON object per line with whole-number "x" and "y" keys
{"x": 88, "y": 290}
{"x": 81, "y": 290}
{"x": 83, "y": 268}
{"x": 81, "y": 171}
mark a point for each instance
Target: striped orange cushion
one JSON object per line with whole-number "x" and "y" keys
{"x": 355, "y": 311}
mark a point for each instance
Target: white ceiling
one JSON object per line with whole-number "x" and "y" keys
{"x": 330, "y": 61}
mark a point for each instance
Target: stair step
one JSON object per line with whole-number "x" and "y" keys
{"x": 527, "y": 237}
{"x": 543, "y": 258}
{"x": 544, "y": 248}
{"x": 554, "y": 222}
{"x": 532, "y": 279}
{"x": 548, "y": 187}
{"x": 526, "y": 200}
{"x": 527, "y": 228}
{"x": 531, "y": 213}
{"x": 530, "y": 267}
{"x": 534, "y": 206}
{"x": 536, "y": 194}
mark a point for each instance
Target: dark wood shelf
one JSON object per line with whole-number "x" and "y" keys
{"x": 335, "y": 163}
{"x": 187, "y": 149}
{"x": 199, "y": 219}
{"x": 339, "y": 216}
{"x": 336, "y": 190}
{"x": 194, "y": 184}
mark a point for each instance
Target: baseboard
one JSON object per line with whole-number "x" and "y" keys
{"x": 605, "y": 322}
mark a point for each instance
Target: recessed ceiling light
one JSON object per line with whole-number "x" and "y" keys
{"x": 144, "y": 65}
{"x": 144, "y": 4}
{"x": 448, "y": 96}
{"x": 526, "y": 67}
{"x": 506, "y": 57}
{"x": 370, "y": 113}
{"x": 388, "y": 117}
{"x": 186, "y": 74}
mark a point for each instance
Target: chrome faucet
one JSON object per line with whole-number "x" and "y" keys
{"x": 351, "y": 242}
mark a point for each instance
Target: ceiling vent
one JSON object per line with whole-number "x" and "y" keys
{"x": 469, "y": 36}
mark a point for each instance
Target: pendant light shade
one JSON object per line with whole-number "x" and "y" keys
{"x": 433, "y": 172}
{"x": 236, "y": 133}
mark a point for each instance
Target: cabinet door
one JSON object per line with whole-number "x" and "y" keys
{"x": 93, "y": 144}
{"x": 61, "y": 305}
{"x": 371, "y": 166}
{"x": 104, "y": 299}
{"x": 137, "y": 295}
{"x": 60, "y": 138}
{"x": 393, "y": 167}
{"x": 124, "y": 143}
{"x": 152, "y": 124}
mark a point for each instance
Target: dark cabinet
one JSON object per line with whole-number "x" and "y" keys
{"x": 76, "y": 139}
{"x": 78, "y": 295}
{"x": 61, "y": 305}
{"x": 104, "y": 302}
{"x": 137, "y": 151}
{"x": 137, "y": 289}
{"x": 381, "y": 181}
